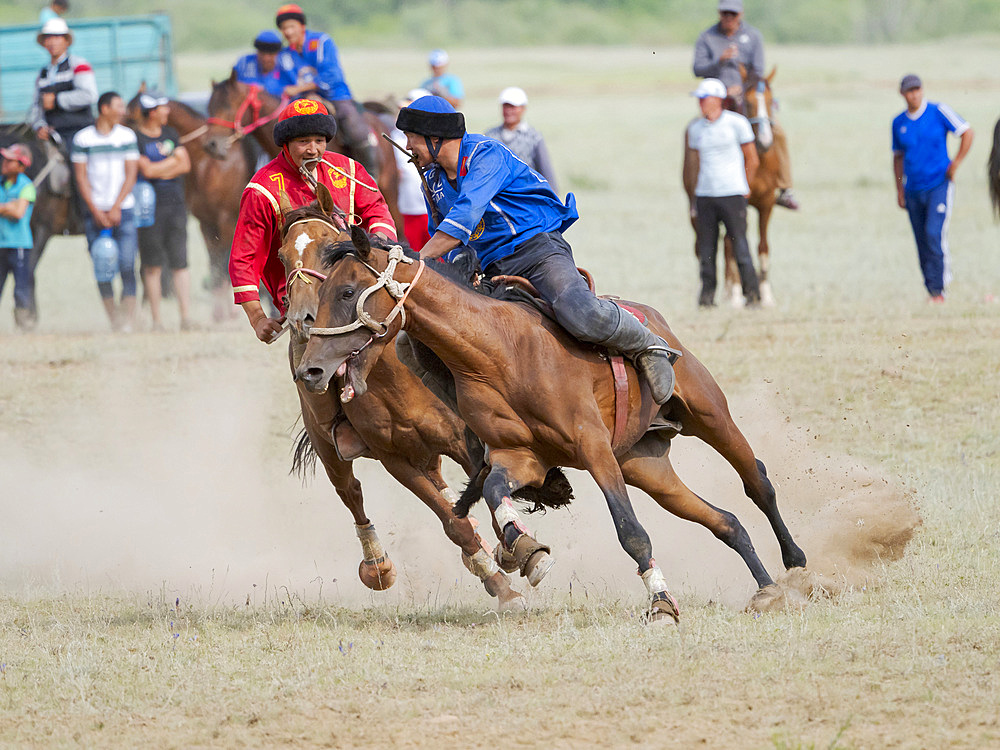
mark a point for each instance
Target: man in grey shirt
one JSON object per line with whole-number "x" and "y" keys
{"x": 719, "y": 52}
{"x": 524, "y": 141}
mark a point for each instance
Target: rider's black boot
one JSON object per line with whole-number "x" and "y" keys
{"x": 650, "y": 354}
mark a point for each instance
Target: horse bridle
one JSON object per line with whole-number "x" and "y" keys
{"x": 398, "y": 290}
{"x": 252, "y": 102}
{"x": 300, "y": 272}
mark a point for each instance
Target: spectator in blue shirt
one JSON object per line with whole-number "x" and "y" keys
{"x": 17, "y": 198}
{"x": 309, "y": 65}
{"x": 484, "y": 197}
{"x": 55, "y": 9}
{"x": 442, "y": 83}
{"x": 260, "y": 68}
{"x": 924, "y": 175}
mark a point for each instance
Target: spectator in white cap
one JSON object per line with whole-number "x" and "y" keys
{"x": 524, "y": 141}
{"x": 442, "y": 83}
{"x": 65, "y": 90}
{"x": 721, "y": 143}
{"x": 718, "y": 53}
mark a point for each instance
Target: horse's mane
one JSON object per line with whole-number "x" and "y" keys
{"x": 993, "y": 170}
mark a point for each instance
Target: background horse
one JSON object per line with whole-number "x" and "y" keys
{"x": 538, "y": 400}
{"x": 401, "y": 423}
{"x": 237, "y": 109}
{"x": 993, "y": 170}
{"x": 763, "y": 189}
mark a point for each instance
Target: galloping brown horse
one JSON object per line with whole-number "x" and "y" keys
{"x": 237, "y": 109}
{"x": 538, "y": 399}
{"x": 402, "y": 424}
{"x": 762, "y": 190}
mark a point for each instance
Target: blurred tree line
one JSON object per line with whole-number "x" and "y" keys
{"x": 201, "y": 25}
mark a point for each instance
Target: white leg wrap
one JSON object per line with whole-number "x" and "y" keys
{"x": 654, "y": 580}
{"x": 370, "y": 544}
{"x": 506, "y": 514}
{"x": 481, "y": 565}
{"x": 449, "y": 494}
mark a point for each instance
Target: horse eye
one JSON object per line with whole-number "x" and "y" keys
{"x": 347, "y": 293}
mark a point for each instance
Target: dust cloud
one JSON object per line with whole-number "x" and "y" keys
{"x": 181, "y": 487}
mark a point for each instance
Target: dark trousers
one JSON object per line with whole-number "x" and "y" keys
{"x": 929, "y": 212}
{"x": 731, "y": 211}
{"x": 17, "y": 261}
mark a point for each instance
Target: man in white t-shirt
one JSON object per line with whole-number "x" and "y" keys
{"x": 722, "y": 144}
{"x": 106, "y": 161}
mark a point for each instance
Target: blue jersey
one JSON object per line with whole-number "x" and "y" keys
{"x": 16, "y": 233}
{"x": 317, "y": 62}
{"x": 248, "y": 71}
{"x": 497, "y": 202}
{"x": 450, "y": 83}
{"x": 922, "y": 140}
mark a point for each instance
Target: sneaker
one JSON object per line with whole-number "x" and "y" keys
{"x": 787, "y": 200}
{"x": 937, "y": 299}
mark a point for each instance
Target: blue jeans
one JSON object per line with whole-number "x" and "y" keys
{"x": 18, "y": 262}
{"x": 929, "y": 212}
{"x": 127, "y": 237}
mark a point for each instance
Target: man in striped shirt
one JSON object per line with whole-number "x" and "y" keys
{"x": 924, "y": 175}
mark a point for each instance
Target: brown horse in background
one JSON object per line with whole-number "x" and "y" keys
{"x": 539, "y": 400}
{"x": 993, "y": 171}
{"x": 399, "y": 421}
{"x": 763, "y": 189}
{"x": 257, "y": 111}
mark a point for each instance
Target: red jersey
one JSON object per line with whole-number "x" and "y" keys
{"x": 254, "y": 257}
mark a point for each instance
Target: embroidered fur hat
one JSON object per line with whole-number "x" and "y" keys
{"x": 304, "y": 117}
{"x": 431, "y": 116}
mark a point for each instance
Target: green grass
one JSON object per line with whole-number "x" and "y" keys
{"x": 164, "y": 582}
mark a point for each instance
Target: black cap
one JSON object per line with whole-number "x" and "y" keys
{"x": 910, "y": 82}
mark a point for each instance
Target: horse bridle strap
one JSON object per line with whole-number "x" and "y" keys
{"x": 253, "y": 103}
{"x": 398, "y": 290}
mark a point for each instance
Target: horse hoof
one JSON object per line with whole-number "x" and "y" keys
{"x": 537, "y": 567}
{"x": 377, "y": 575}
{"x": 663, "y": 610}
{"x": 516, "y": 603}
{"x": 775, "y": 598}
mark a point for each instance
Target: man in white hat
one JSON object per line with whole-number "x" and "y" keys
{"x": 719, "y": 52}
{"x": 722, "y": 143}
{"x": 65, "y": 90}
{"x": 524, "y": 141}
{"x": 442, "y": 83}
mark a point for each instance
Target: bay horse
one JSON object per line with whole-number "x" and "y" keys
{"x": 539, "y": 399}
{"x": 212, "y": 192}
{"x": 237, "y": 109}
{"x": 993, "y": 170}
{"x": 399, "y": 421}
{"x": 763, "y": 188}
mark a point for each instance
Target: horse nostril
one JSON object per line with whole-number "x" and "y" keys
{"x": 308, "y": 320}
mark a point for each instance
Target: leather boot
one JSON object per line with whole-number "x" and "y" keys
{"x": 650, "y": 354}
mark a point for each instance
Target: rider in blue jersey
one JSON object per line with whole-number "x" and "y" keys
{"x": 310, "y": 64}
{"x": 260, "y": 68}
{"x": 490, "y": 201}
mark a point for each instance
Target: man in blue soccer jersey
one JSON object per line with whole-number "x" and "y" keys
{"x": 924, "y": 175}
{"x": 484, "y": 197}
{"x": 260, "y": 67}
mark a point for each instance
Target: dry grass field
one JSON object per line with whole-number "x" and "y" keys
{"x": 164, "y": 582}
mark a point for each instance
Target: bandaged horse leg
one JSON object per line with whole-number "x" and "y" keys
{"x": 600, "y": 321}
{"x": 483, "y": 566}
{"x": 376, "y": 569}
{"x": 357, "y": 135}
{"x": 520, "y": 548}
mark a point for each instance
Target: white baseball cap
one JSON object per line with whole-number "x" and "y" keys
{"x": 710, "y": 87}
{"x": 415, "y": 94}
{"x": 54, "y": 27}
{"x": 437, "y": 58}
{"x": 513, "y": 95}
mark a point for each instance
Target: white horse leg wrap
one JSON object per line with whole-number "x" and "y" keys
{"x": 654, "y": 580}
{"x": 481, "y": 565}
{"x": 449, "y": 494}
{"x": 370, "y": 544}
{"x": 506, "y": 514}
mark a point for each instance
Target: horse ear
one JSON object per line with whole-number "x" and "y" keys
{"x": 743, "y": 71}
{"x": 142, "y": 87}
{"x": 770, "y": 76}
{"x": 284, "y": 204}
{"x": 360, "y": 239}
{"x": 325, "y": 198}
{"x": 232, "y": 76}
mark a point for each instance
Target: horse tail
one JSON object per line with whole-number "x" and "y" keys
{"x": 993, "y": 170}
{"x": 303, "y": 456}
{"x": 555, "y": 492}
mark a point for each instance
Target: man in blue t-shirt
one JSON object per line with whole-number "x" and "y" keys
{"x": 484, "y": 197}
{"x": 260, "y": 68}
{"x": 442, "y": 83}
{"x": 924, "y": 175}
{"x": 17, "y": 199}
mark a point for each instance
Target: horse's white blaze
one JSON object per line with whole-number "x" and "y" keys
{"x": 302, "y": 242}
{"x": 764, "y": 134}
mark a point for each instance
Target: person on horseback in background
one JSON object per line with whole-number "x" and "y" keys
{"x": 65, "y": 90}
{"x": 718, "y": 53}
{"x": 310, "y": 64}
{"x": 260, "y": 68}
{"x": 303, "y": 131}
{"x": 484, "y": 197}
